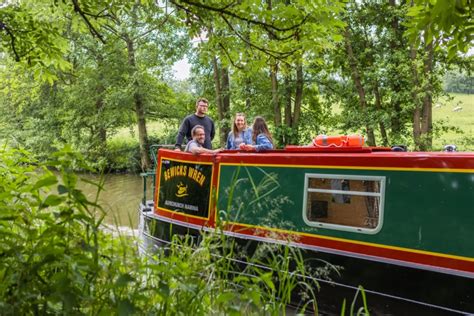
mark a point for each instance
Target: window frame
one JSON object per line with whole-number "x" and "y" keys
{"x": 354, "y": 229}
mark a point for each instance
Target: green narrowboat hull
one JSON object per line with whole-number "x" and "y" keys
{"x": 384, "y": 215}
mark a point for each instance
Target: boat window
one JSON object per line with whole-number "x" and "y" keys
{"x": 344, "y": 202}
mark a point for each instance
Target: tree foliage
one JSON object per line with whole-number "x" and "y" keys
{"x": 446, "y": 23}
{"x": 86, "y": 102}
{"x": 459, "y": 82}
{"x": 76, "y": 71}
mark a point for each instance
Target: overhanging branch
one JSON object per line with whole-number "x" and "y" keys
{"x": 12, "y": 39}
{"x": 224, "y": 11}
{"x": 92, "y": 29}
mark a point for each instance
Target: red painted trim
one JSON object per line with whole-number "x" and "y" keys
{"x": 183, "y": 217}
{"x": 346, "y": 156}
{"x": 312, "y": 149}
{"x": 180, "y": 155}
{"x": 356, "y": 248}
{"x": 382, "y": 159}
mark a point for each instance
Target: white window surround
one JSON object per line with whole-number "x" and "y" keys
{"x": 380, "y": 195}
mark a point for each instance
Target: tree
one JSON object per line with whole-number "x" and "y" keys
{"x": 445, "y": 23}
{"x": 277, "y": 36}
{"x": 458, "y": 81}
{"x": 385, "y": 86}
{"x": 104, "y": 80}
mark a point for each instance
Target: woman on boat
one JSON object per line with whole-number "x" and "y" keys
{"x": 261, "y": 136}
{"x": 240, "y": 133}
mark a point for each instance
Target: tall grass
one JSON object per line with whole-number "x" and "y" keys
{"x": 56, "y": 258}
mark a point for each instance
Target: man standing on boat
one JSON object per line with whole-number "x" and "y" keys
{"x": 196, "y": 145}
{"x": 197, "y": 118}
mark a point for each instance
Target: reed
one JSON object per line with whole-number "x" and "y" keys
{"x": 57, "y": 259}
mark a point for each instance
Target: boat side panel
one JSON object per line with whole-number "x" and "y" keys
{"x": 429, "y": 211}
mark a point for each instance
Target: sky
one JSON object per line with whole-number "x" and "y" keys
{"x": 181, "y": 69}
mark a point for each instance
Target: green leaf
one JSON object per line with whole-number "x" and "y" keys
{"x": 267, "y": 279}
{"x": 62, "y": 189}
{"x": 225, "y": 297}
{"x": 45, "y": 182}
{"x": 124, "y": 279}
{"x": 52, "y": 200}
{"x": 126, "y": 308}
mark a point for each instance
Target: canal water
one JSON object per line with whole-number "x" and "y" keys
{"x": 119, "y": 198}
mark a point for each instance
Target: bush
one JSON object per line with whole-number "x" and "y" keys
{"x": 123, "y": 155}
{"x": 58, "y": 259}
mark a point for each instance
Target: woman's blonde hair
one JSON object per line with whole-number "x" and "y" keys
{"x": 235, "y": 129}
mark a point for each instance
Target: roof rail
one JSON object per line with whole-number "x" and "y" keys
{"x": 154, "y": 149}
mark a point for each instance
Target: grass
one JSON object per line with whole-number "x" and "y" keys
{"x": 154, "y": 129}
{"x": 58, "y": 260}
{"x": 458, "y": 125}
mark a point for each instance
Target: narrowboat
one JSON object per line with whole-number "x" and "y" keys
{"x": 401, "y": 224}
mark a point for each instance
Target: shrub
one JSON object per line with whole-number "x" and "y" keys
{"x": 56, "y": 258}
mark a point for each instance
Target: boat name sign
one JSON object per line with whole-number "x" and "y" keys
{"x": 185, "y": 187}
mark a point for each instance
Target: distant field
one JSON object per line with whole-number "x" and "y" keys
{"x": 458, "y": 113}
{"x": 155, "y": 129}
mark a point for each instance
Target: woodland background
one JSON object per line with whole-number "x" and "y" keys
{"x": 96, "y": 75}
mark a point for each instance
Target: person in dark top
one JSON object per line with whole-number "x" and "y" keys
{"x": 197, "y": 118}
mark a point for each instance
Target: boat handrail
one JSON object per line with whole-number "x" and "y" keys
{"x": 151, "y": 172}
{"x": 154, "y": 149}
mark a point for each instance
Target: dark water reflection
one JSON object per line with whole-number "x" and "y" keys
{"x": 120, "y": 198}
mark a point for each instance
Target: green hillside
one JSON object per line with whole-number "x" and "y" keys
{"x": 456, "y": 119}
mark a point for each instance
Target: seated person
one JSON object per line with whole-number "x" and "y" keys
{"x": 240, "y": 133}
{"x": 196, "y": 145}
{"x": 261, "y": 136}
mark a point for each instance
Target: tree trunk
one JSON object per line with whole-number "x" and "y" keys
{"x": 139, "y": 109}
{"x": 274, "y": 80}
{"x": 225, "y": 89}
{"x": 360, "y": 89}
{"x": 298, "y": 95}
{"x": 248, "y": 97}
{"x": 427, "y": 118}
{"x": 423, "y": 99}
{"x": 416, "y": 101}
{"x": 284, "y": 132}
{"x": 99, "y": 106}
{"x": 288, "y": 103}
{"x": 219, "y": 99}
{"x": 275, "y": 98}
{"x": 248, "y": 81}
{"x": 395, "y": 47}
{"x": 378, "y": 106}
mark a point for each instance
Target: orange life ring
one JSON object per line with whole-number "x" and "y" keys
{"x": 338, "y": 141}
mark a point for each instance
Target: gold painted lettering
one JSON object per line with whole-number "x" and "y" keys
{"x": 203, "y": 178}
{"x": 191, "y": 172}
